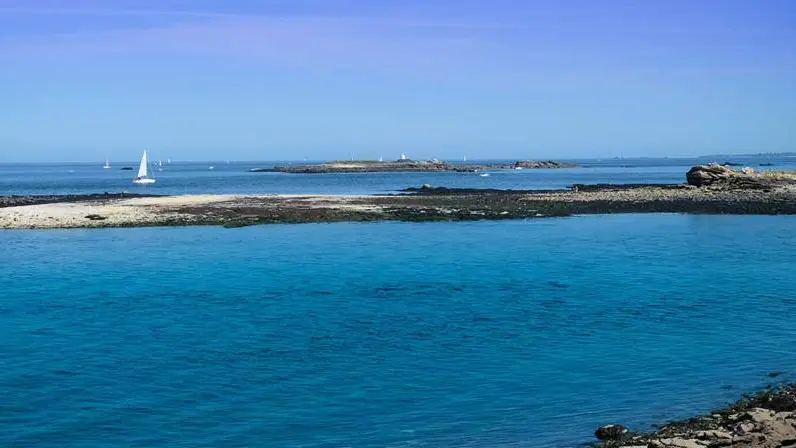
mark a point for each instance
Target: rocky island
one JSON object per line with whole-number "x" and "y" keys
{"x": 402, "y": 166}
{"x": 710, "y": 189}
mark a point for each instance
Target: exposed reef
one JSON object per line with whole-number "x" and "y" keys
{"x": 15, "y": 201}
{"x": 719, "y": 193}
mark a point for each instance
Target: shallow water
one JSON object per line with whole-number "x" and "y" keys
{"x": 234, "y": 178}
{"x": 515, "y": 333}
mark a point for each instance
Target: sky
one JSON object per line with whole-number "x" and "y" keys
{"x": 86, "y": 80}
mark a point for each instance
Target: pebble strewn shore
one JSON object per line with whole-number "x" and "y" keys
{"x": 765, "y": 420}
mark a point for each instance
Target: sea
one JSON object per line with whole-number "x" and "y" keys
{"x": 232, "y": 177}
{"x": 524, "y": 333}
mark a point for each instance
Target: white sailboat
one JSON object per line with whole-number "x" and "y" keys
{"x": 107, "y": 164}
{"x": 143, "y": 168}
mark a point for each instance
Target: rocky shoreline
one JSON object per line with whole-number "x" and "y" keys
{"x": 402, "y": 166}
{"x": 745, "y": 194}
{"x": 765, "y": 420}
{"x": 16, "y": 201}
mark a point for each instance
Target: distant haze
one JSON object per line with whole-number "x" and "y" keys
{"x": 332, "y": 79}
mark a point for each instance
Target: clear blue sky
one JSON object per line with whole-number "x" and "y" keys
{"x": 251, "y": 79}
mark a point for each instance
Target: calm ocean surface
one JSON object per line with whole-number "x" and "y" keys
{"x": 197, "y": 178}
{"x": 486, "y": 334}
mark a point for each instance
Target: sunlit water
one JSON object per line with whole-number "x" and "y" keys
{"x": 198, "y": 178}
{"x": 488, "y": 334}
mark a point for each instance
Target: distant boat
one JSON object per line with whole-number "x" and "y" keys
{"x": 168, "y": 161}
{"x": 107, "y": 164}
{"x": 143, "y": 169}
{"x": 484, "y": 175}
{"x": 211, "y": 167}
{"x": 465, "y": 158}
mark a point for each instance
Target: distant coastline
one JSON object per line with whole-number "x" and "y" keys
{"x": 762, "y": 154}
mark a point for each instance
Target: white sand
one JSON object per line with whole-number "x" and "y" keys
{"x": 137, "y": 210}
{"x": 179, "y": 200}
{"x": 116, "y": 212}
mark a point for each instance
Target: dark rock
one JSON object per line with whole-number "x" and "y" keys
{"x": 609, "y": 432}
{"x": 96, "y": 217}
{"x": 730, "y": 164}
{"x": 704, "y": 175}
{"x": 743, "y": 428}
{"x": 15, "y": 201}
{"x": 774, "y": 374}
{"x": 126, "y": 168}
{"x": 722, "y": 177}
{"x": 618, "y": 187}
{"x": 766, "y": 164}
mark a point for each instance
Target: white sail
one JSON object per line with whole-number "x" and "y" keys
{"x": 107, "y": 164}
{"x": 142, "y": 168}
{"x": 143, "y": 172}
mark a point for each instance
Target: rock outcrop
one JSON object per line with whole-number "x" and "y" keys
{"x": 704, "y": 175}
{"x": 719, "y": 176}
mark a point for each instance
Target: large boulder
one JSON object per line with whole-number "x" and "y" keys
{"x": 704, "y": 175}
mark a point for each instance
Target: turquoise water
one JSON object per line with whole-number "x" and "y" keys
{"x": 499, "y": 334}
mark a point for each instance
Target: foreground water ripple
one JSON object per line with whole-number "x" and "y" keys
{"x": 514, "y": 334}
